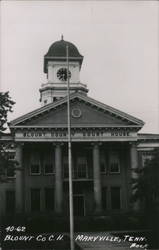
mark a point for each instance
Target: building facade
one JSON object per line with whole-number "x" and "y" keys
{"x": 106, "y": 148}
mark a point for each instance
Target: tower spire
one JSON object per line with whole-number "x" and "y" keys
{"x": 62, "y": 37}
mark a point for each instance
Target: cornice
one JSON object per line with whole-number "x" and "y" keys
{"x": 148, "y": 137}
{"x": 92, "y": 126}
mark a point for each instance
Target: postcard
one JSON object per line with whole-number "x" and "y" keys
{"x": 79, "y": 129}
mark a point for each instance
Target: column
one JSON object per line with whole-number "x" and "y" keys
{"x": 58, "y": 180}
{"x": 134, "y": 167}
{"x": 97, "y": 179}
{"x": 19, "y": 182}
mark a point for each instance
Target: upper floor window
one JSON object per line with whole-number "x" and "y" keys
{"x": 48, "y": 163}
{"x": 114, "y": 163}
{"x": 146, "y": 157}
{"x": 48, "y": 168}
{"x": 10, "y": 171}
{"x": 35, "y": 165}
{"x": 103, "y": 163}
{"x": 65, "y": 167}
{"x": 81, "y": 167}
{"x": 12, "y": 156}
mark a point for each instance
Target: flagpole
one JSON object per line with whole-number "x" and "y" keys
{"x": 70, "y": 156}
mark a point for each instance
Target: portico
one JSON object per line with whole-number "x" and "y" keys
{"x": 98, "y": 167}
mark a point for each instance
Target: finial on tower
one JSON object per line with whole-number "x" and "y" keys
{"x": 61, "y": 37}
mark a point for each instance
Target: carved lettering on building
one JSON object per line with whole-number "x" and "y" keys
{"x": 34, "y": 134}
{"x": 74, "y": 134}
{"x": 120, "y": 133}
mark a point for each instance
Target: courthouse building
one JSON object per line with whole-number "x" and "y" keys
{"x": 106, "y": 148}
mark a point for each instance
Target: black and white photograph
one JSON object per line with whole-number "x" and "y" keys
{"x": 79, "y": 125}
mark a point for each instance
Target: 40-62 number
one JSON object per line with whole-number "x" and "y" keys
{"x": 13, "y": 228}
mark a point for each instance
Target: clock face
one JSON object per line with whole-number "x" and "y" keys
{"x": 62, "y": 74}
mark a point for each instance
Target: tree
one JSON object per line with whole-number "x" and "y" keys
{"x": 6, "y": 104}
{"x": 146, "y": 187}
{"x": 6, "y": 163}
{"x": 146, "y": 190}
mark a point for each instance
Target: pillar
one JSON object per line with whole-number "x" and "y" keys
{"x": 97, "y": 179}
{"x": 19, "y": 182}
{"x": 134, "y": 167}
{"x": 58, "y": 180}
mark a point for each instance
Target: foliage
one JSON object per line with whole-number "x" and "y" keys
{"x": 6, "y": 104}
{"x": 6, "y": 163}
{"x": 146, "y": 187}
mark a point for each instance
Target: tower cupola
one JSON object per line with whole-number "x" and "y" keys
{"x": 55, "y": 66}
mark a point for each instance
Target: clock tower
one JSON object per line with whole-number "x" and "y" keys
{"x": 55, "y": 66}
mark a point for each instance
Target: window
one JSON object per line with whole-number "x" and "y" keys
{"x": 11, "y": 156}
{"x": 35, "y": 199}
{"x": 10, "y": 173}
{"x": 146, "y": 157}
{"x": 79, "y": 205}
{"x": 65, "y": 167}
{"x": 49, "y": 198}
{"x": 35, "y": 169}
{"x": 115, "y": 198}
{"x": 10, "y": 201}
{"x": 35, "y": 166}
{"x": 48, "y": 168}
{"x": 104, "y": 198}
{"x": 114, "y": 163}
{"x": 103, "y": 166}
{"x": 56, "y": 99}
{"x": 81, "y": 167}
{"x": 48, "y": 163}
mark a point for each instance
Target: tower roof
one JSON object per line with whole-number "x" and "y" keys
{"x": 58, "y": 49}
{"x": 57, "y": 52}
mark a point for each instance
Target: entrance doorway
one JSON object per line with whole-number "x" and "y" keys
{"x": 79, "y": 205}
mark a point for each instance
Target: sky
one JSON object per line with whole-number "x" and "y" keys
{"x": 118, "y": 39}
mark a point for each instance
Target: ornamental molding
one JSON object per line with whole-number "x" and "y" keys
{"x": 78, "y": 134}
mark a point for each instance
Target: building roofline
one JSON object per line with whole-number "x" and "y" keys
{"x": 87, "y": 99}
{"x": 148, "y": 136}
